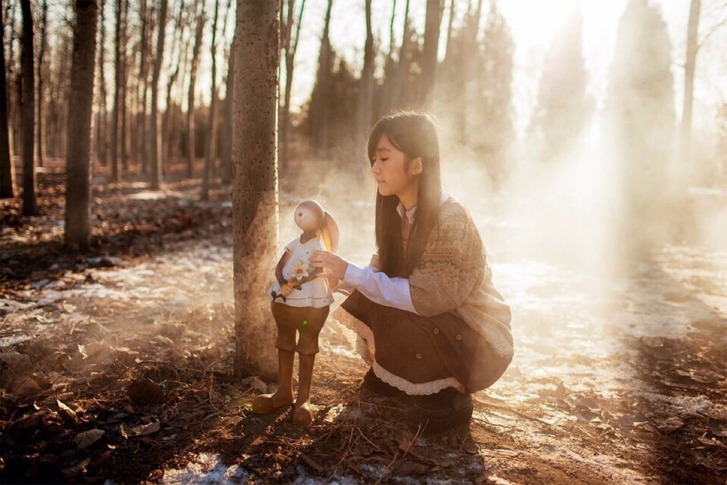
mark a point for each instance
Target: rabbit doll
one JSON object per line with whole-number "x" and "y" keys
{"x": 300, "y": 303}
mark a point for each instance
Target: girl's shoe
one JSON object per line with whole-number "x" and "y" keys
{"x": 441, "y": 411}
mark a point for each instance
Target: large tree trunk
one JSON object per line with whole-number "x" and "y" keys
{"x": 198, "y": 36}
{"x": 689, "y": 68}
{"x": 7, "y": 170}
{"x": 210, "y": 139}
{"x": 40, "y": 145}
{"x": 78, "y": 155}
{"x": 30, "y": 207}
{"x": 255, "y": 184}
{"x": 154, "y": 155}
{"x": 429, "y": 56}
{"x": 115, "y": 169}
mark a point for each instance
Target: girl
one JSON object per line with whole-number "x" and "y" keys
{"x": 428, "y": 318}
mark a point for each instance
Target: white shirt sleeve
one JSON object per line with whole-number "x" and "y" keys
{"x": 379, "y": 288}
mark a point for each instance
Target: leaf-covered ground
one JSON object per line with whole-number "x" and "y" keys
{"x": 116, "y": 366}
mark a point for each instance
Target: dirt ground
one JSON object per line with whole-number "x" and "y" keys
{"x": 116, "y": 367}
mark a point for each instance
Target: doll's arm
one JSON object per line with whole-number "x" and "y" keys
{"x": 279, "y": 268}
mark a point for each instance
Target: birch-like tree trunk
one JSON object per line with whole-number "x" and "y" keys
{"x": 78, "y": 155}
{"x": 154, "y": 156}
{"x": 27, "y": 69}
{"x": 255, "y": 184}
{"x": 7, "y": 170}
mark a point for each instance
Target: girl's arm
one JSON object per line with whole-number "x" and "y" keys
{"x": 378, "y": 287}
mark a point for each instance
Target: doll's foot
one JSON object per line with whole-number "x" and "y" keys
{"x": 302, "y": 415}
{"x": 267, "y": 403}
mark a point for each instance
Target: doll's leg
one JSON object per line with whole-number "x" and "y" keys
{"x": 285, "y": 342}
{"x": 307, "y": 349}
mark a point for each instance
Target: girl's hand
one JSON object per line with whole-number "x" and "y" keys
{"x": 334, "y": 266}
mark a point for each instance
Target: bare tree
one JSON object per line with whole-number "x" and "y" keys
{"x": 40, "y": 145}
{"x": 198, "y": 36}
{"x": 255, "y": 183}
{"x": 290, "y": 47}
{"x": 154, "y": 155}
{"x": 179, "y": 40}
{"x": 115, "y": 169}
{"x": 101, "y": 126}
{"x": 689, "y": 68}
{"x": 366, "y": 83}
{"x": 319, "y": 102}
{"x": 30, "y": 207}
{"x": 7, "y": 170}
{"x": 431, "y": 41}
{"x": 143, "y": 86}
{"x": 210, "y": 142}
{"x": 78, "y": 157}
{"x": 226, "y": 151}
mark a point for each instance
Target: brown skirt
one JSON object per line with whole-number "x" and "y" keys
{"x": 422, "y": 349}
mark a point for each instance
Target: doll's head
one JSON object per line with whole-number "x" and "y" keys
{"x": 310, "y": 217}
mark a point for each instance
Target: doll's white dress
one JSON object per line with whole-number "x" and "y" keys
{"x": 313, "y": 293}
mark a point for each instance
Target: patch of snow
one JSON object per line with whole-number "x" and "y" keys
{"x": 206, "y": 469}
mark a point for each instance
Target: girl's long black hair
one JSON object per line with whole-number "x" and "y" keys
{"x": 415, "y": 134}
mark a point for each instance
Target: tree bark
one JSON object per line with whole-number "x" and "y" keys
{"x": 80, "y": 107}
{"x": 255, "y": 184}
{"x": 198, "y": 37}
{"x": 7, "y": 169}
{"x": 154, "y": 155}
{"x": 210, "y": 139}
{"x": 30, "y": 207}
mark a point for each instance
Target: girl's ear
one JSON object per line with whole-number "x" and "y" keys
{"x": 416, "y": 166}
{"x": 330, "y": 232}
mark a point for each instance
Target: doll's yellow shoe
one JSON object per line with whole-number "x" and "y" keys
{"x": 303, "y": 415}
{"x": 265, "y": 404}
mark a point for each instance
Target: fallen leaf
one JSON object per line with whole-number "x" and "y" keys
{"x": 67, "y": 414}
{"x": 142, "y": 429}
{"x": 87, "y": 438}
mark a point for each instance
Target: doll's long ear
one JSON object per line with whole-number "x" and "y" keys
{"x": 332, "y": 229}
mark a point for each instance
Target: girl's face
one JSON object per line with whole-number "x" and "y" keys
{"x": 392, "y": 174}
